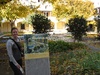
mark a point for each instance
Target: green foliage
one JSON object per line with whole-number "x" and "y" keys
{"x": 1, "y": 19}
{"x": 78, "y": 27}
{"x": 91, "y": 62}
{"x": 77, "y": 45}
{"x": 2, "y": 2}
{"x": 71, "y": 8}
{"x": 58, "y": 46}
{"x": 40, "y": 23}
{"x": 75, "y": 63}
{"x": 14, "y": 9}
{"x": 61, "y": 46}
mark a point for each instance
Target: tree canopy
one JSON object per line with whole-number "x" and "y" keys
{"x": 69, "y": 8}
{"x": 14, "y": 9}
{"x": 2, "y": 2}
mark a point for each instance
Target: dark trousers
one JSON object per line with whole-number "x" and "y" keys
{"x": 15, "y": 69}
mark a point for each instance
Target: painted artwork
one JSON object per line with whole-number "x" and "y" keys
{"x": 35, "y": 44}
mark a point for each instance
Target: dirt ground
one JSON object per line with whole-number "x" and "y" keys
{"x": 4, "y": 63}
{"x": 5, "y": 68}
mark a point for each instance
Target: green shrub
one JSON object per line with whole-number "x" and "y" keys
{"x": 61, "y": 46}
{"x": 58, "y": 46}
{"x": 77, "y": 45}
{"x": 91, "y": 61}
{"x": 40, "y": 23}
{"x": 78, "y": 27}
{"x": 75, "y": 63}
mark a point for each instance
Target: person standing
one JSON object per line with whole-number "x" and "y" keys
{"x": 14, "y": 54}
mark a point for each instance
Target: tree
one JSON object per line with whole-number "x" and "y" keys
{"x": 13, "y": 10}
{"x": 40, "y": 23}
{"x": 78, "y": 27}
{"x": 70, "y": 8}
{"x": 2, "y": 2}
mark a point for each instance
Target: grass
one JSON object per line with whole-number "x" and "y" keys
{"x": 75, "y": 63}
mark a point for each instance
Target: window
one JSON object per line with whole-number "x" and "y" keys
{"x": 46, "y": 6}
{"x": 38, "y": 0}
{"x": 22, "y": 26}
{"x": 46, "y": 14}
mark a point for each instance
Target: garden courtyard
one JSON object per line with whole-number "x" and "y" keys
{"x": 66, "y": 57}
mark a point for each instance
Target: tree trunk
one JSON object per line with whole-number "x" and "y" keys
{"x": 12, "y": 23}
{"x": 98, "y": 25}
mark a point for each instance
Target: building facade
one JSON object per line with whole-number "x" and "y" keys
{"x": 46, "y": 8}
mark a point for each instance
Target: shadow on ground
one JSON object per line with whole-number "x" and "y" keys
{"x": 5, "y": 68}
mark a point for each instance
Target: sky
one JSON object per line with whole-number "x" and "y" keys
{"x": 96, "y": 3}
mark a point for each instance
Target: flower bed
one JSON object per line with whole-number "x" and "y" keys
{"x": 75, "y": 63}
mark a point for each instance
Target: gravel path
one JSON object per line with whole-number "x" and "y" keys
{"x": 92, "y": 47}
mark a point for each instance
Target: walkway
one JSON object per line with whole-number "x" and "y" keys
{"x": 1, "y": 35}
{"x": 86, "y": 41}
{"x": 93, "y": 48}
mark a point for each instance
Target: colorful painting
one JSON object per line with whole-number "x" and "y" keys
{"x": 36, "y": 45}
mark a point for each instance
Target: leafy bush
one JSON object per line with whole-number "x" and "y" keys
{"x": 91, "y": 62}
{"x": 58, "y": 46}
{"x": 78, "y": 45}
{"x": 61, "y": 46}
{"x": 78, "y": 27}
{"x": 75, "y": 63}
{"x": 40, "y": 23}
